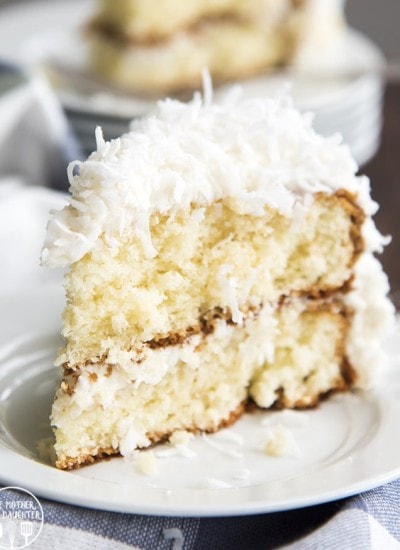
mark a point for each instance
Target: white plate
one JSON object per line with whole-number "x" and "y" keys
{"x": 347, "y": 445}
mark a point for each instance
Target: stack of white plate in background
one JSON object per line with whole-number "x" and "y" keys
{"x": 358, "y": 117}
{"x": 345, "y": 92}
{"x": 347, "y": 98}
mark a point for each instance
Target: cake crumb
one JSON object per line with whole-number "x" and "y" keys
{"x": 281, "y": 442}
{"x": 180, "y": 437}
{"x": 146, "y": 462}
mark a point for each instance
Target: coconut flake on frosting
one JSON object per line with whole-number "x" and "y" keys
{"x": 255, "y": 152}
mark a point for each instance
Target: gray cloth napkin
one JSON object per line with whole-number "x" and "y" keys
{"x": 35, "y": 145}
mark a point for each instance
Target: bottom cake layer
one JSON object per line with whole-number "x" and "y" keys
{"x": 228, "y": 50}
{"x": 285, "y": 356}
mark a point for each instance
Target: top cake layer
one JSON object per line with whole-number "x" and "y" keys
{"x": 138, "y": 21}
{"x": 255, "y": 152}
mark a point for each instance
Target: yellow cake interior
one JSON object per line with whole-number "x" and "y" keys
{"x": 233, "y": 307}
{"x": 204, "y": 256}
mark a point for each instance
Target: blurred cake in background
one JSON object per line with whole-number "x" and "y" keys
{"x": 335, "y": 71}
{"x": 162, "y": 47}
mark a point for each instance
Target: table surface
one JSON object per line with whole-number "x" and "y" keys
{"x": 384, "y": 172}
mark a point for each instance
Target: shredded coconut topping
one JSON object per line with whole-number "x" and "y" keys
{"x": 253, "y": 151}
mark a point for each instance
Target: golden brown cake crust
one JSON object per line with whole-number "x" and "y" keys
{"x": 73, "y": 463}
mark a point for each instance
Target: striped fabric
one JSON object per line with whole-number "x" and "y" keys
{"x": 367, "y": 521}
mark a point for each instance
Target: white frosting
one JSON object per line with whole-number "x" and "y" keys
{"x": 155, "y": 363}
{"x": 215, "y": 483}
{"x": 254, "y": 151}
{"x": 180, "y": 451}
{"x": 226, "y": 281}
{"x": 373, "y": 318}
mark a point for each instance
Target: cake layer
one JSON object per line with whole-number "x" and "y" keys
{"x": 163, "y": 50}
{"x": 203, "y": 383}
{"x": 229, "y": 49}
{"x": 208, "y": 257}
{"x": 139, "y": 20}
